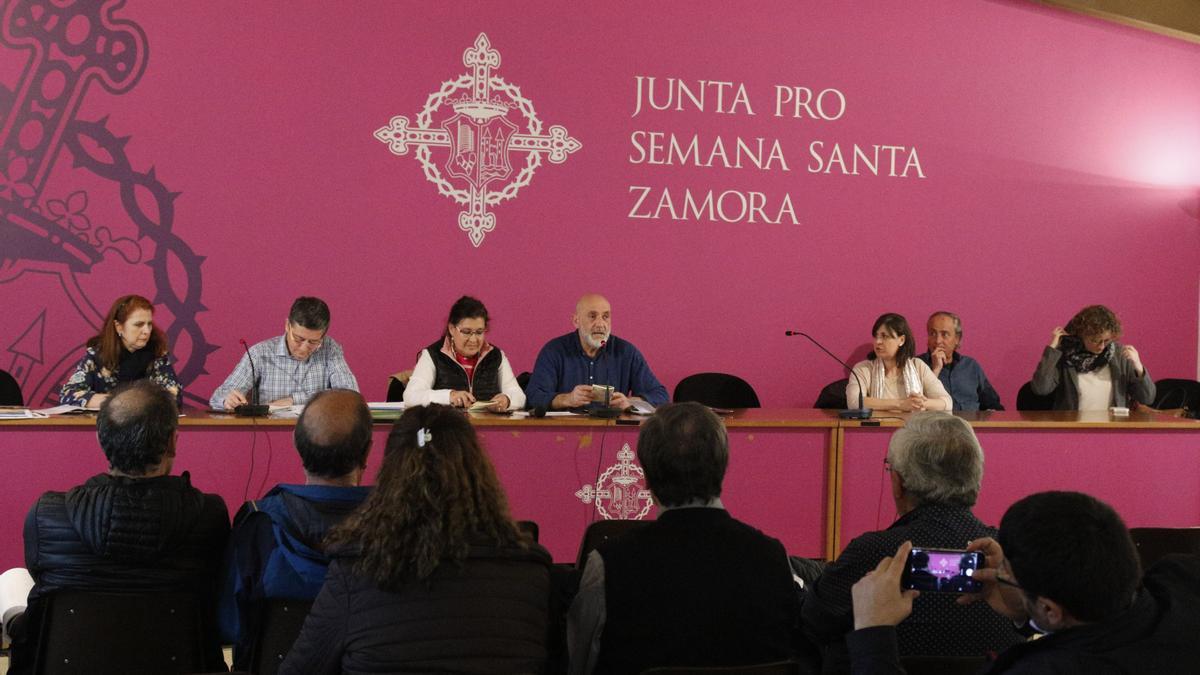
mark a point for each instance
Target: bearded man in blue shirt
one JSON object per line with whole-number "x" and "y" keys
{"x": 569, "y": 365}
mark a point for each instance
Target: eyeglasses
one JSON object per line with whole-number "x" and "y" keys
{"x": 468, "y": 333}
{"x": 887, "y": 465}
{"x": 298, "y": 341}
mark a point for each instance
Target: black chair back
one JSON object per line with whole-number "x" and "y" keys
{"x": 1027, "y": 400}
{"x": 716, "y": 390}
{"x": 529, "y": 527}
{"x": 279, "y": 626}
{"x": 395, "y": 391}
{"x": 601, "y": 531}
{"x": 943, "y": 665}
{"x": 774, "y": 668}
{"x": 10, "y": 391}
{"x": 833, "y": 395}
{"x": 126, "y": 634}
{"x": 1155, "y": 542}
{"x": 523, "y": 380}
{"x": 1176, "y": 393}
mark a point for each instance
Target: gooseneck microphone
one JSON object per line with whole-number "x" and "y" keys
{"x": 252, "y": 408}
{"x": 863, "y": 412}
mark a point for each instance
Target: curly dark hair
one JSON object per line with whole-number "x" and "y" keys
{"x": 1093, "y": 321}
{"x": 430, "y": 501}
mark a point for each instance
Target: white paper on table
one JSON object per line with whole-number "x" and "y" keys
{"x": 19, "y": 414}
{"x": 386, "y": 405}
{"x": 287, "y": 411}
{"x": 61, "y": 409}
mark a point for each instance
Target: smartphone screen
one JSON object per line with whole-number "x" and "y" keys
{"x": 942, "y": 571}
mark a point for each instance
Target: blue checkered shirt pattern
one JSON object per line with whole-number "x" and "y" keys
{"x": 281, "y": 376}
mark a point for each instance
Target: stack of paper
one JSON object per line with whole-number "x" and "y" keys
{"x": 13, "y": 413}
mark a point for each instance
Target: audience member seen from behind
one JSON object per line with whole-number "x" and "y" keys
{"x": 129, "y": 347}
{"x": 694, "y": 587}
{"x": 276, "y": 549}
{"x": 568, "y": 366}
{"x": 462, "y": 367}
{"x": 961, "y": 375}
{"x": 430, "y": 573}
{"x": 1063, "y": 565}
{"x": 292, "y": 367}
{"x": 935, "y": 464}
{"x": 893, "y": 378}
{"x": 134, "y": 529}
{"x": 1085, "y": 368}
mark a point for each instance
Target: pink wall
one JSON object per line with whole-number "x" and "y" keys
{"x": 1061, "y": 158}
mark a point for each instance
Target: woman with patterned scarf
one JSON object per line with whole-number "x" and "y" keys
{"x": 1087, "y": 369}
{"x": 892, "y": 377}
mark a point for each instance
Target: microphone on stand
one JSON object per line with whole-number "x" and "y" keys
{"x": 862, "y": 413}
{"x": 253, "y": 408}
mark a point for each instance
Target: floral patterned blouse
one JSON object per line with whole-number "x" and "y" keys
{"x": 89, "y": 378}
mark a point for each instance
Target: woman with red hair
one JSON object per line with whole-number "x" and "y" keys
{"x": 129, "y": 347}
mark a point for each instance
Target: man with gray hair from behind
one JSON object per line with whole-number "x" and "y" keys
{"x": 935, "y": 466}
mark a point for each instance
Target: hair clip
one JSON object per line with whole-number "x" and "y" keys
{"x": 423, "y": 436}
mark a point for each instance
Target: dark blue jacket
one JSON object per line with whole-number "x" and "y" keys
{"x": 275, "y": 552}
{"x": 562, "y": 365}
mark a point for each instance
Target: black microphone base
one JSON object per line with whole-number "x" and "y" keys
{"x": 856, "y": 414}
{"x": 248, "y": 410}
{"x": 605, "y": 413}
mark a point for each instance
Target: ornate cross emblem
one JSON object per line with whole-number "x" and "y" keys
{"x": 620, "y": 492}
{"x": 479, "y": 138}
{"x": 50, "y": 227}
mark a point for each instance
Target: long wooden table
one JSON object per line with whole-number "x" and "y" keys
{"x": 800, "y": 475}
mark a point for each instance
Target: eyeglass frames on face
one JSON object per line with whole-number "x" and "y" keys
{"x": 297, "y": 340}
{"x": 468, "y": 333}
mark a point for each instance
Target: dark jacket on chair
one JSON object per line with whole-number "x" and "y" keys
{"x": 275, "y": 552}
{"x": 695, "y": 588}
{"x": 121, "y": 534}
{"x": 489, "y": 616}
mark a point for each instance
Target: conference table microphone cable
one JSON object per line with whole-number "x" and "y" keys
{"x": 250, "y": 473}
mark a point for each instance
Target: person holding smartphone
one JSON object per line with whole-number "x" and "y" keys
{"x": 935, "y": 469}
{"x": 1063, "y": 565}
{"x": 1085, "y": 368}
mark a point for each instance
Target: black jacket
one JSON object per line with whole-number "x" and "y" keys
{"x": 122, "y": 534}
{"x": 695, "y": 588}
{"x": 1160, "y": 633}
{"x": 490, "y": 616}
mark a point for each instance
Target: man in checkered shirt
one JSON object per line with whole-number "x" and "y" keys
{"x": 292, "y": 367}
